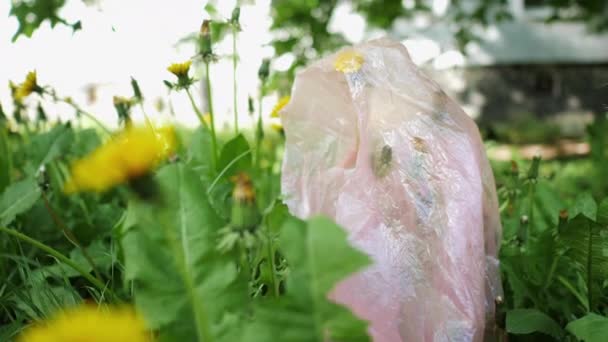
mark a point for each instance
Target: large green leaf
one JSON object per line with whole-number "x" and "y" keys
{"x": 18, "y": 198}
{"x": 591, "y": 328}
{"x": 183, "y": 285}
{"x": 527, "y": 321}
{"x": 200, "y": 155}
{"x": 319, "y": 256}
{"x": 236, "y": 155}
{"x": 47, "y": 146}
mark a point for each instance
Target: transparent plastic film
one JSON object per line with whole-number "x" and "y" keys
{"x": 376, "y": 145}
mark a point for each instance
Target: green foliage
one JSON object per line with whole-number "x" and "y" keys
{"x": 590, "y": 328}
{"x": 183, "y": 286}
{"x": 527, "y": 321}
{"x": 179, "y": 255}
{"x": 31, "y": 14}
{"x": 553, "y": 260}
{"x": 18, "y": 198}
{"x": 318, "y": 257}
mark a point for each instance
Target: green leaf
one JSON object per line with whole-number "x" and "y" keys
{"x": 31, "y": 14}
{"x": 18, "y": 198}
{"x": 99, "y": 252}
{"x": 183, "y": 285}
{"x": 200, "y": 155}
{"x": 602, "y": 212}
{"x": 527, "y": 321}
{"x": 584, "y": 242}
{"x": 235, "y": 155}
{"x": 591, "y": 328}
{"x": 319, "y": 256}
{"x": 50, "y": 145}
{"x": 585, "y": 204}
{"x": 275, "y": 216}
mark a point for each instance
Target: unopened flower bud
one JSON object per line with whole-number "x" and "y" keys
{"x": 264, "y": 70}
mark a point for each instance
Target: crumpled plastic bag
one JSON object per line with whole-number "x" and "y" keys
{"x": 376, "y": 145}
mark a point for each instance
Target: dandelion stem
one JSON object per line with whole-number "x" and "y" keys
{"x": 9, "y": 155}
{"x": 195, "y": 108}
{"x": 53, "y": 252}
{"x": 146, "y": 117}
{"x": 211, "y": 115}
{"x": 234, "y": 84}
{"x": 259, "y": 131}
{"x": 271, "y": 263}
{"x": 69, "y": 235}
{"x": 78, "y": 109}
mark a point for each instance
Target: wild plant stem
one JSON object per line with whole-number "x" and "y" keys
{"x": 234, "y": 84}
{"x": 211, "y": 114}
{"x": 56, "y": 98}
{"x": 69, "y": 235}
{"x": 259, "y": 135}
{"x": 146, "y": 117}
{"x": 53, "y": 252}
{"x": 200, "y": 116}
{"x": 93, "y": 118}
{"x": 272, "y": 266}
{"x": 589, "y": 266}
{"x": 9, "y": 155}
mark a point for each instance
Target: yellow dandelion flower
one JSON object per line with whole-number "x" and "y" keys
{"x": 131, "y": 154}
{"x": 180, "y": 69}
{"x": 283, "y": 101}
{"x": 348, "y": 61}
{"x": 91, "y": 324}
{"x": 28, "y": 86}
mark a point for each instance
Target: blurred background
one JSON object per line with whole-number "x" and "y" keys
{"x": 529, "y": 71}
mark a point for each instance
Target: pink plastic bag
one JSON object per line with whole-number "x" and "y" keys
{"x": 376, "y": 145}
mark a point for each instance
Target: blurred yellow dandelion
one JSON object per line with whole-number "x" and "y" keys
{"x": 92, "y": 324}
{"x": 348, "y": 61}
{"x": 283, "y": 101}
{"x": 130, "y": 154}
{"x": 28, "y": 86}
{"x": 180, "y": 69}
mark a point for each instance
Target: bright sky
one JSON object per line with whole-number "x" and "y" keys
{"x": 135, "y": 38}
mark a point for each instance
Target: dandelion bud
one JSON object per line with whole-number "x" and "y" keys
{"x": 514, "y": 167}
{"x": 136, "y": 90}
{"x": 563, "y": 219}
{"x": 41, "y": 114}
{"x": 123, "y": 109}
{"x": 264, "y": 70}
{"x": 205, "y": 48}
{"x": 250, "y": 105}
{"x": 234, "y": 19}
{"x": 244, "y": 213}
